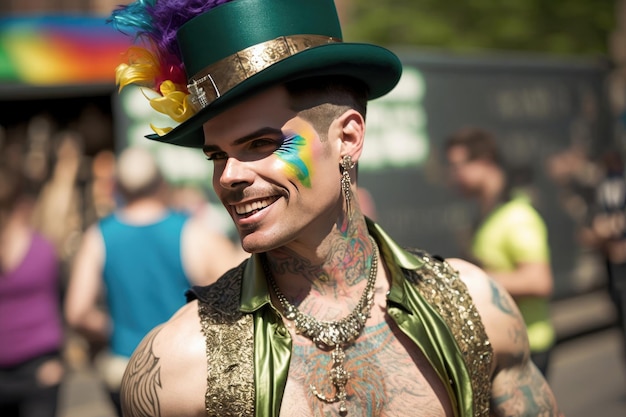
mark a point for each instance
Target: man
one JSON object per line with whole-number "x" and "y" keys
{"x": 142, "y": 259}
{"x": 329, "y": 316}
{"x": 608, "y": 231}
{"x": 510, "y": 239}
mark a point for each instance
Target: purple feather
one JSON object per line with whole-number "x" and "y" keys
{"x": 169, "y": 15}
{"x": 158, "y": 21}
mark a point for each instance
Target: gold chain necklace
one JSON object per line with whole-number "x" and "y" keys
{"x": 329, "y": 334}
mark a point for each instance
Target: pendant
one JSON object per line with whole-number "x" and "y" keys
{"x": 339, "y": 378}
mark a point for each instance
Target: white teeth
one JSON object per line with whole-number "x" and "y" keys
{"x": 250, "y": 207}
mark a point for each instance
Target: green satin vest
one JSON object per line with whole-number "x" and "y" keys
{"x": 249, "y": 348}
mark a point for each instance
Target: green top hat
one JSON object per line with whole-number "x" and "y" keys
{"x": 241, "y": 47}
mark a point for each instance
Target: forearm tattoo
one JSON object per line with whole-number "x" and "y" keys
{"x": 142, "y": 381}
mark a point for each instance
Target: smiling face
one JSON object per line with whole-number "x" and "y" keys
{"x": 274, "y": 174}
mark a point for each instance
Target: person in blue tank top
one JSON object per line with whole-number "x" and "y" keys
{"x": 140, "y": 260}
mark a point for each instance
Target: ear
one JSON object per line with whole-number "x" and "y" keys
{"x": 350, "y": 129}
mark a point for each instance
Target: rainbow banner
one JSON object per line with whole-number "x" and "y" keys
{"x": 57, "y": 50}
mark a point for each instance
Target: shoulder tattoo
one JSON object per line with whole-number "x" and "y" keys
{"x": 142, "y": 380}
{"x": 500, "y": 300}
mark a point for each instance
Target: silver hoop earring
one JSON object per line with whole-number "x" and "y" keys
{"x": 347, "y": 164}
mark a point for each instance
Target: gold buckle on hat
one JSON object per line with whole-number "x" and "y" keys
{"x": 216, "y": 79}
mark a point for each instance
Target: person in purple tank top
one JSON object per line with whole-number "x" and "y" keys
{"x": 31, "y": 329}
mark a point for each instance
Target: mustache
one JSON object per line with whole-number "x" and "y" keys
{"x": 237, "y": 195}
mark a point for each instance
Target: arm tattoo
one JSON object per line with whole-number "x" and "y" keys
{"x": 524, "y": 393}
{"x": 141, "y": 381}
{"x": 515, "y": 330}
{"x": 500, "y": 300}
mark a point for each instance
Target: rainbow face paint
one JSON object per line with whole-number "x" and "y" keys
{"x": 295, "y": 153}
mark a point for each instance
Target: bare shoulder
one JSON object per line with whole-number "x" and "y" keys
{"x": 475, "y": 278}
{"x": 502, "y": 320}
{"x": 518, "y": 388}
{"x": 166, "y": 375}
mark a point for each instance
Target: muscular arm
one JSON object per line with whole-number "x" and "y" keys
{"x": 166, "y": 375}
{"x": 518, "y": 388}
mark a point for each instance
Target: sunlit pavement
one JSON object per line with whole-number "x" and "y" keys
{"x": 589, "y": 376}
{"x": 83, "y": 396}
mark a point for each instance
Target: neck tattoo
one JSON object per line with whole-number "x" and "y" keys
{"x": 332, "y": 334}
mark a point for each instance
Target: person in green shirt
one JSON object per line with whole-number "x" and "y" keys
{"x": 328, "y": 316}
{"x": 510, "y": 240}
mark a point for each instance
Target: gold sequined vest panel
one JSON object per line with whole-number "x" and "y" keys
{"x": 229, "y": 336}
{"x": 440, "y": 285}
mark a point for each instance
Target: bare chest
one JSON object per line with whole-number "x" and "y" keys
{"x": 388, "y": 376}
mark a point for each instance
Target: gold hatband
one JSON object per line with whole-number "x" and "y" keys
{"x": 218, "y": 78}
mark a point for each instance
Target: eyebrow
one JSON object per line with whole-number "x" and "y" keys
{"x": 254, "y": 135}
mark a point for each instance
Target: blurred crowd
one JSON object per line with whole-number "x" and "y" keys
{"x": 88, "y": 244}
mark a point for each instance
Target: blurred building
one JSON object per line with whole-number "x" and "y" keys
{"x": 99, "y": 7}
